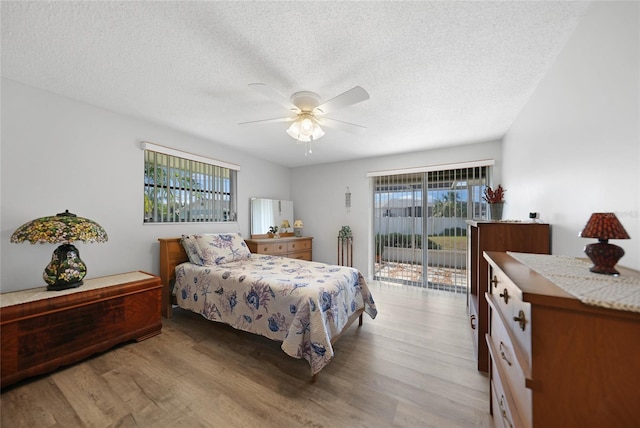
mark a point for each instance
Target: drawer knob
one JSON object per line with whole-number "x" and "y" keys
{"x": 502, "y": 353}
{"x": 494, "y": 281}
{"x": 503, "y": 412}
{"x": 472, "y": 319}
{"x": 521, "y": 319}
{"x": 505, "y": 296}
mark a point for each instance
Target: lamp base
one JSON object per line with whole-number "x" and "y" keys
{"x": 59, "y": 287}
{"x": 66, "y": 269}
{"x": 604, "y": 257}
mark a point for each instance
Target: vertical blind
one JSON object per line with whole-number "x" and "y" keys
{"x": 419, "y": 224}
{"x": 183, "y": 187}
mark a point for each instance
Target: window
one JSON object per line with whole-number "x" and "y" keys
{"x": 419, "y": 223}
{"x": 182, "y": 187}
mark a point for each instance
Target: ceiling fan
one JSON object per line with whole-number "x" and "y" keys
{"x": 309, "y": 112}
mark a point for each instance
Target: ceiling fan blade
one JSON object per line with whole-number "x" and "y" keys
{"x": 342, "y": 126}
{"x": 275, "y": 96}
{"x": 352, "y": 96}
{"x": 280, "y": 119}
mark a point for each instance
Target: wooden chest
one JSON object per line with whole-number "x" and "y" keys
{"x": 43, "y": 330}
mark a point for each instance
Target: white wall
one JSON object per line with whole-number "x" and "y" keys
{"x": 575, "y": 148}
{"x": 62, "y": 154}
{"x": 318, "y": 193}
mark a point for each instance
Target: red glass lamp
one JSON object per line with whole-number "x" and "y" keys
{"x": 604, "y": 226}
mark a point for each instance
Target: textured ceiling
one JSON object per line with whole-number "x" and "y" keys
{"x": 438, "y": 73}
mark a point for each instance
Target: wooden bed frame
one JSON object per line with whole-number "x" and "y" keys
{"x": 172, "y": 254}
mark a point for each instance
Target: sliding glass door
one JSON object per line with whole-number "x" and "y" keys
{"x": 420, "y": 225}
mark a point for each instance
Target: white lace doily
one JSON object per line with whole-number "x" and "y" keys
{"x": 573, "y": 276}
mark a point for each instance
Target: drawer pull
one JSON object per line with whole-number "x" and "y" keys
{"x": 473, "y": 322}
{"x": 521, "y": 319}
{"x": 494, "y": 281}
{"x": 503, "y": 411}
{"x": 502, "y": 354}
{"x": 505, "y": 296}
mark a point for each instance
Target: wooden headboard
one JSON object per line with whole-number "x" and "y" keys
{"x": 171, "y": 255}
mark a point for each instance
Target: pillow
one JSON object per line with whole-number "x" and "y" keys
{"x": 220, "y": 248}
{"x": 192, "y": 249}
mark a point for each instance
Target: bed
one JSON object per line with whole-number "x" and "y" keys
{"x": 305, "y": 305}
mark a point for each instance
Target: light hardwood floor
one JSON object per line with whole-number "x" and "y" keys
{"x": 410, "y": 367}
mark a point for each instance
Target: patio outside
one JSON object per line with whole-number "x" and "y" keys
{"x": 446, "y": 266}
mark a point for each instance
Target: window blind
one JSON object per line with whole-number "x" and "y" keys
{"x": 420, "y": 224}
{"x": 184, "y": 187}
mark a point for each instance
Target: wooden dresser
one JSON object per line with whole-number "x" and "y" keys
{"x": 42, "y": 330}
{"x": 289, "y": 246}
{"x": 526, "y": 237}
{"x": 556, "y": 362}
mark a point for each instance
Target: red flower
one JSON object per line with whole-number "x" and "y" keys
{"x": 494, "y": 196}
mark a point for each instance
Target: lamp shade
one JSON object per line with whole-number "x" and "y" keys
{"x": 66, "y": 269}
{"x": 285, "y": 224}
{"x": 604, "y": 226}
{"x": 298, "y": 224}
{"x": 305, "y": 128}
{"x": 62, "y": 228}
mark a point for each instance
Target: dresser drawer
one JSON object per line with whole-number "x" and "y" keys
{"x": 274, "y": 248}
{"x": 505, "y": 413}
{"x": 301, "y": 255}
{"x": 503, "y": 290}
{"x": 510, "y": 359}
{"x": 301, "y": 245}
{"x": 473, "y": 322}
{"x": 516, "y": 314}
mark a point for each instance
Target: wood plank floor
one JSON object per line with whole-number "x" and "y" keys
{"x": 410, "y": 367}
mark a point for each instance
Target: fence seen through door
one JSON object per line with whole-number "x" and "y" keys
{"x": 420, "y": 225}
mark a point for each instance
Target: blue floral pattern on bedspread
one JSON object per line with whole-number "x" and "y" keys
{"x": 299, "y": 303}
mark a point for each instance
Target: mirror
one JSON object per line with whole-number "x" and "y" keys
{"x": 269, "y": 212}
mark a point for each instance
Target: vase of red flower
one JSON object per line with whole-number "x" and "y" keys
{"x": 495, "y": 199}
{"x": 495, "y": 211}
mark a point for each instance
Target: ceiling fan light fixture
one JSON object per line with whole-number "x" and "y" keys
{"x": 309, "y": 112}
{"x": 305, "y": 128}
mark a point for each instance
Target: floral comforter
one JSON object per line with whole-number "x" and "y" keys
{"x": 300, "y": 303}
